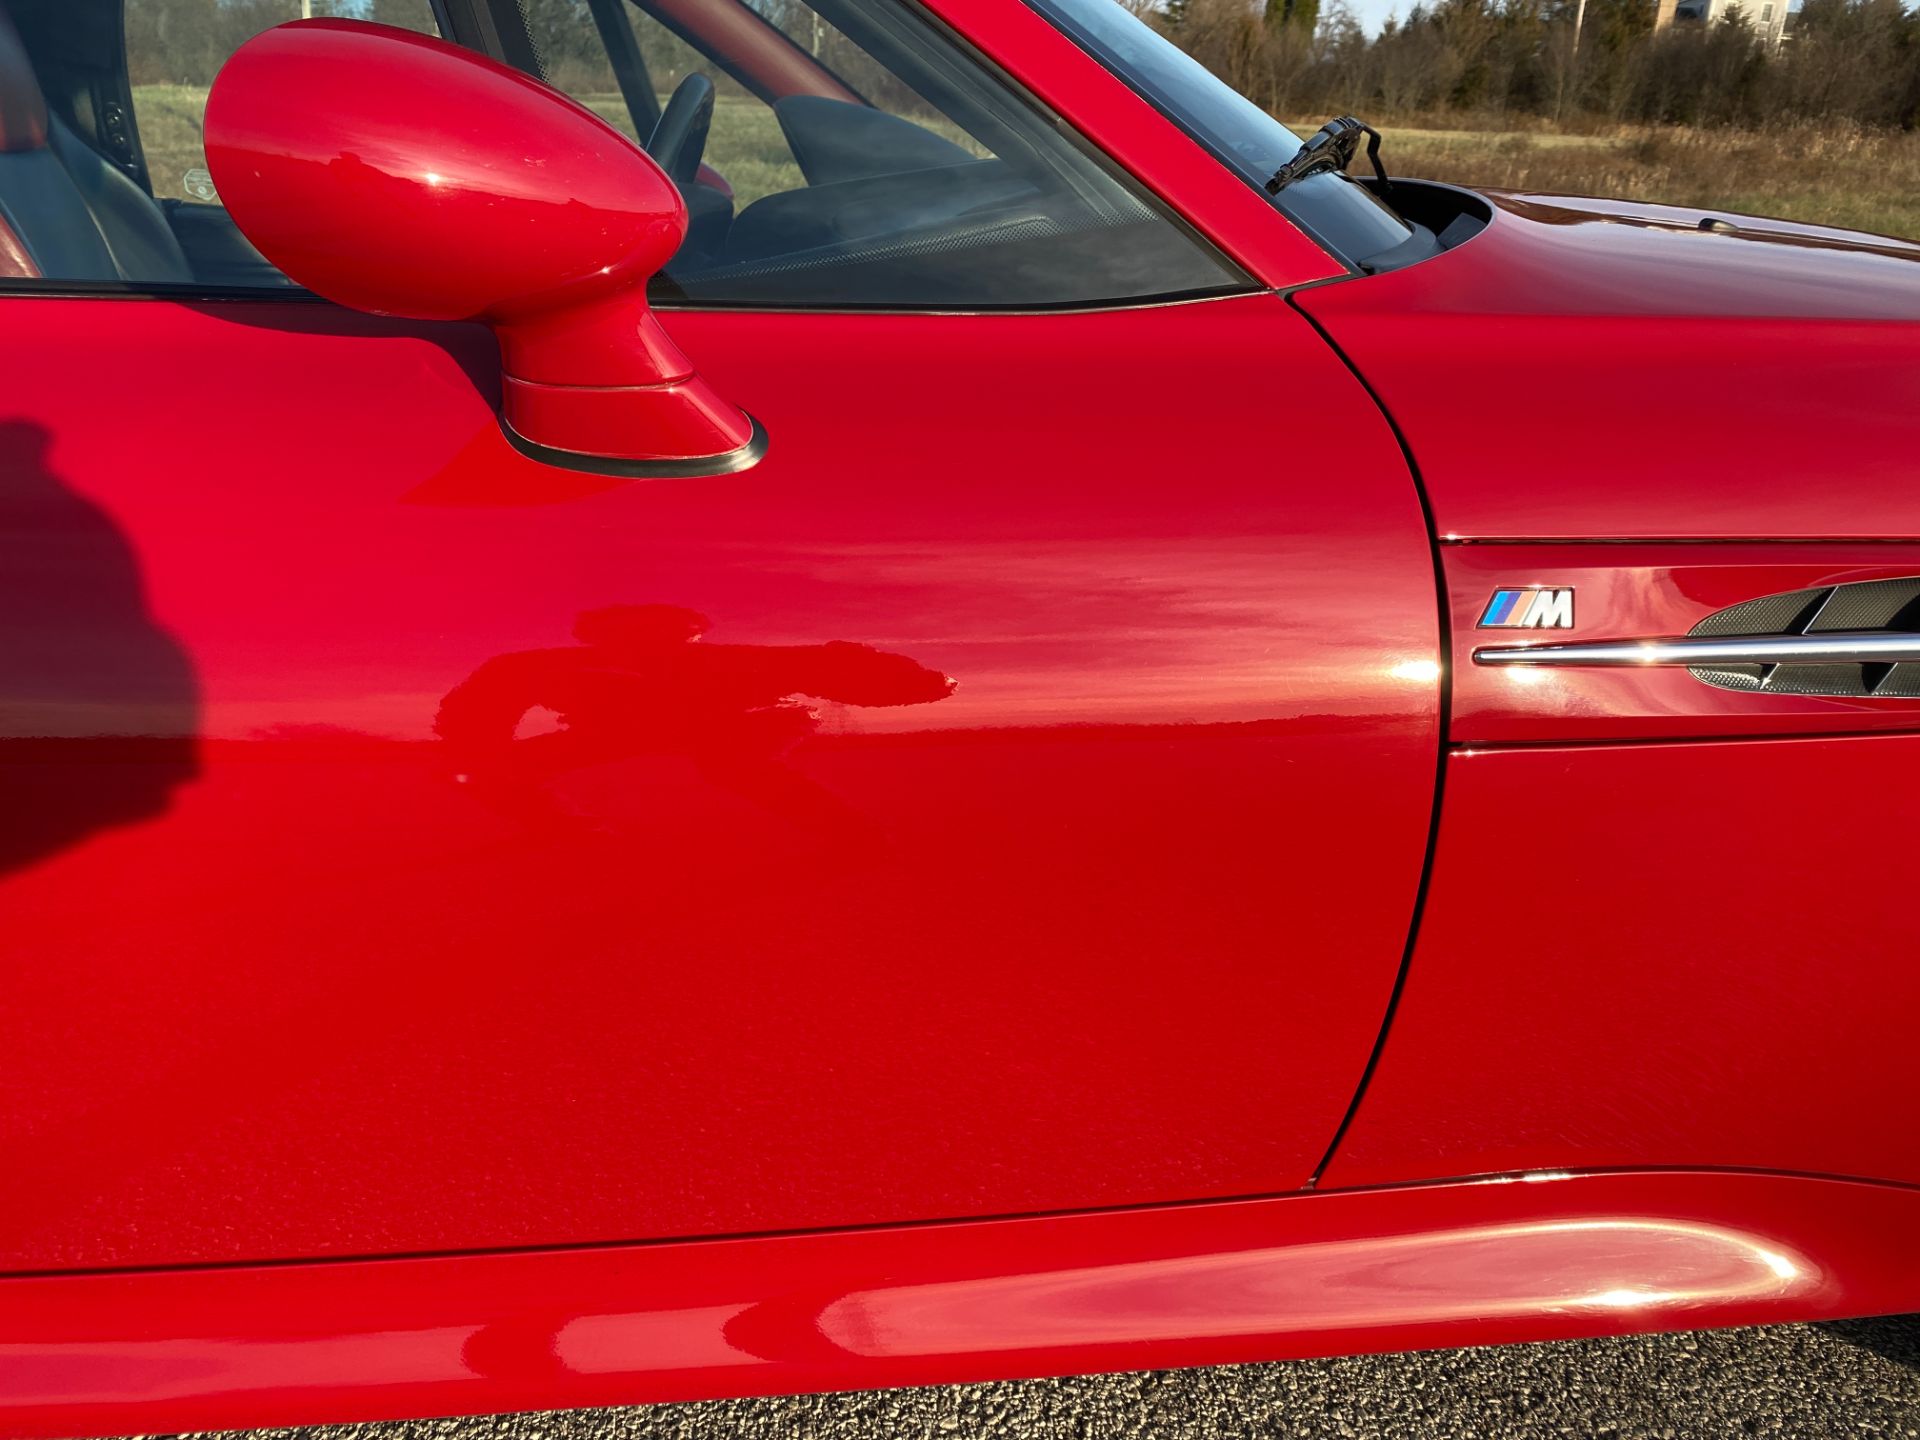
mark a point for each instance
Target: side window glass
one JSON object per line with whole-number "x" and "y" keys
{"x": 106, "y": 179}
{"x": 852, "y": 154}
{"x": 744, "y": 143}
{"x": 176, "y": 47}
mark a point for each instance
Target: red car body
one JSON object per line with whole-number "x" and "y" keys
{"x": 1032, "y": 878}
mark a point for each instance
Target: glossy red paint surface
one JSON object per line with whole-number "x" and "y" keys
{"x": 322, "y": 133}
{"x": 1638, "y": 591}
{"x": 782, "y": 933}
{"x": 1259, "y": 1280}
{"x": 1693, "y": 954}
{"x": 1009, "y": 797}
{"x": 532, "y": 214}
{"x": 1581, "y": 370}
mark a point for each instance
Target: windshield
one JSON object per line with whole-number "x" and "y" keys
{"x": 1338, "y": 212}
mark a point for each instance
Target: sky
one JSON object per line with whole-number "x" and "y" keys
{"x": 1372, "y": 12}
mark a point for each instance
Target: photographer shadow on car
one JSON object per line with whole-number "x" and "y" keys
{"x": 99, "y": 705}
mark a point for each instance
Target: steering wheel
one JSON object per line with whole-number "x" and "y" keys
{"x": 679, "y": 138}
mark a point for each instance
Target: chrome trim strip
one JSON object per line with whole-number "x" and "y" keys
{"x": 1837, "y": 647}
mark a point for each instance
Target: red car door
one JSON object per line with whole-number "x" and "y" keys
{"x": 1010, "y": 795}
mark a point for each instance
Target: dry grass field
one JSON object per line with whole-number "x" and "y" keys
{"x": 1831, "y": 175}
{"x": 1826, "y": 175}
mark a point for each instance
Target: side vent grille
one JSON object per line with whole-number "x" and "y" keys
{"x": 1884, "y": 605}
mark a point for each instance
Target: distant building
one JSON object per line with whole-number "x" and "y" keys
{"x": 1767, "y": 17}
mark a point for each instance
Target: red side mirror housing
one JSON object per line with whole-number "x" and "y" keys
{"x": 399, "y": 174}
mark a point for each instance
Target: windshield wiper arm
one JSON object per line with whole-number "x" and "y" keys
{"x": 1332, "y": 147}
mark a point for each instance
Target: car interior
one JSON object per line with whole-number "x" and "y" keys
{"x": 910, "y": 170}
{"x": 72, "y": 213}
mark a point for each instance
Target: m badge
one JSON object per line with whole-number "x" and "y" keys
{"x": 1534, "y": 608}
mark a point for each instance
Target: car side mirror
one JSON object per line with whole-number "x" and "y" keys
{"x": 399, "y": 174}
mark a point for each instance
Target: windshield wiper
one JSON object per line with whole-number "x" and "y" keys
{"x": 1332, "y": 147}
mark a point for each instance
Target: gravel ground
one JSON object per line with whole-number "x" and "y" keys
{"x": 1808, "y": 1382}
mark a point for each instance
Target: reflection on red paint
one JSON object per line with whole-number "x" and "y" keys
{"x": 1333, "y": 1272}
{"x": 1057, "y": 938}
{"x": 1645, "y": 591}
{"x": 641, "y": 682}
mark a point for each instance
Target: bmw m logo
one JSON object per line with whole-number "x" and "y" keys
{"x": 1534, "y": 608}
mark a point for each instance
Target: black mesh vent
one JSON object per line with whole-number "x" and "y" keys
{"x": 1817, "y": 680}
{"x": 1769, "y": 615}
{"x": 1731, "y": 677}
{"x": 1869, "y": 605}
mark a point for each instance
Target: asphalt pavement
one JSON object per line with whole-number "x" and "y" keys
{"x": 1806, "y": 1382}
